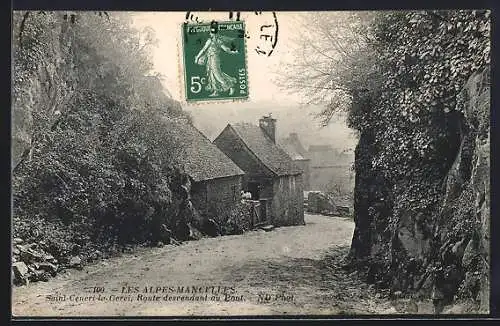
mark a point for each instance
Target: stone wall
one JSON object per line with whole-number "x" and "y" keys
{"x": 215, "y": 198}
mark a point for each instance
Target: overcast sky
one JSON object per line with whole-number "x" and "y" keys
{"x": 263, "y": 91}
{"x": 167, "y": 26}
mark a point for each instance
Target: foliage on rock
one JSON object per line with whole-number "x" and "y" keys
{"x": 419, "y": 128}
{"x": 403, "y": 80}
{"x": 93, "y": 164}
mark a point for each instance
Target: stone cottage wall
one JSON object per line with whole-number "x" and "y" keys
{"x": 288, "y": 201}
{"x": 306, "y": 175}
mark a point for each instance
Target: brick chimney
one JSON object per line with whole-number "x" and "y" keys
{"x": 268, "y": 125}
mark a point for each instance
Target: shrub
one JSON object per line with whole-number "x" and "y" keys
{"x": 238, "y": 220}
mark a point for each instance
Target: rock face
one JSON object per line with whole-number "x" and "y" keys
{"x": 441, "y": 252}
{"x": 466, "y": 201}
{"x": 20, "y": 271}
{"x": 479, "y": 104}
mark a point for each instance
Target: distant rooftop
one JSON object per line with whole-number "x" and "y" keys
{"x": 294, "y": 147}
{"x": 201, "y": 159}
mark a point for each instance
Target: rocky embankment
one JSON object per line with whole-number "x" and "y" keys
{"x": 30, "y": 262}
{"x": 441, "y": 252}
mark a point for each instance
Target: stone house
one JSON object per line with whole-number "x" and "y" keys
{"x": 271, "y": 176}
{"x": 294, "y": 148}
{"x": 214, "y": 179}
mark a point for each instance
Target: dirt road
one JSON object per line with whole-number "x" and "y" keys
{"x": 290, "y": 270}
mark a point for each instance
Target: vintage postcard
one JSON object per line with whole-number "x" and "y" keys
{"x": 251, "y": 163}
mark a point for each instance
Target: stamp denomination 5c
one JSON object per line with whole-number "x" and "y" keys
{"x": 215, "y": 61}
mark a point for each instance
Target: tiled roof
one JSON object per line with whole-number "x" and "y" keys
{"x": 292, "y": 151}
{"x": 201, "y": 159}
{"x": 293, "y": 148}
{"x": 270, "y": 154}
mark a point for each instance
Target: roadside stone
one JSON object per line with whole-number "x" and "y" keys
{"x": 16, "y": 251}
{"x": 94, "y": 255}
{"x": 194, "y": 233}
{"x": 49, "y": 258}
{"x": 21, "y": 247}
{"x": 48, "y": 267}
{"x": 17, "y": 241}
{"x": 45, "y": 277}
{"x": 267, "y": 228}
{"x": 320, "y": 202}
{"x": 75, "y": 262}
{"x": 174, "y": 242}
{"x": 20, "y": 270}
{"x": 31, "y": 256}
{"x": 159, "y": 244}
{"x": 40, "y": 275}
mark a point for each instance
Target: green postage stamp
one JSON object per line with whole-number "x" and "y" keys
{"x": 215, "y": 65}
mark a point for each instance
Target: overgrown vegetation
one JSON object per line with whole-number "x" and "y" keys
{"x": 400, "y": 78}
{"x": 93, "y": 165}
{"x": 238, "y": 219}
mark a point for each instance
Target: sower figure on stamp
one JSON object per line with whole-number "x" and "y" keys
{"x": 209, "y": 55}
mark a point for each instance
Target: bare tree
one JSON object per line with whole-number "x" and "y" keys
{"x": 331, "y": 59}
